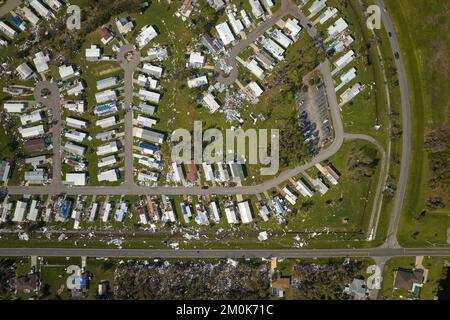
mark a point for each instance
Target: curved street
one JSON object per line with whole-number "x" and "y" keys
{"x": 391, "y": 247}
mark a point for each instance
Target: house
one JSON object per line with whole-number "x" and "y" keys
{"x": 409, "y": 280}
{"x": 257, "y": 9}
{"x": 202, "y": 217}
{"x": 93, "y": 212}
{"x": 327, "y": 14}
{"x": 7, "y": 30}
{"x": 197, "y": 82}
{"x": 337, "y": 27}
{"x": 214, "y": 46}
{"x": 53, "y": 4}
{"x": 192, "y": 171}
{"x": 124, "y": 25}
{"x": 263, "y": 212}
{"x": 76, "y": 89}
{"x": 106, "y": 109}
{"x": 38, "y": 176}
{"x": 5, "y": 167}
{"x": 273, "y": 48}
{"x": 151, "y": 163}
{"x": 66, "y": 72}
{"x": 216, "y": 4}
{"x": 109, "y": 176}
{"x": 158, "y": 53}
{"x": 19, "y": 212}
{"x": 346, "y": 78}
{"x": 281, "y": 38}
{"x": 107, "y": 83}
{"x": 214, "y": 212}
{"x": 63, "y": 209}
{"x": 317, "y": 6}
{"x": 74, "y": 149}
{"x": 34, "y": 211}
{"x": 230, "y": 213}
{"x": 106, "y": 135}
{"x": 76, "y": 179}
{"x": 150, "y": 96}
{"x": 74, "y": 135}
{"x": 105, "y": 96}
{"x": 41, "y": 10}
{"x": 106, "y": 123}
{"x": 196, "y": 60}
{"x": 147, "y": 109}
{"x": 236, "y": 171}
{"x": 245, "y": 18}
{"x": 108, "y": 148}
{"x": 35, "y": 145}
{"x": 148, "y": 33}
{"x": 279, "y": 284}
{"x": 178, "y": 174}
{"x": 32, "y": 131}
{"x": 107, "y": 161}
{"x": 186, "y": 212}
{"x": 225, "y": 33}
{"x": 148, "y": 149}
{"x": 351, "y": 92}
{"x": 41, "y": 61}
{"x": 24, "y": 71}
{"x": 345, "y": 59}
{"x": 254, "y": 90}
{"x": 146, "y": 122}
{"x": 304, "y": 189}
{"x": 106, "y": 211}
{"x": 149, "y": 135}
{"x": 208, "y": 170}
{"x": 245, "y": 212}
{"x": 75, "y": 106}
{"x": 289, "y": 196}
{"x": 152, "y": 70}
{"x": 224, "y": 176}
{"x": 357, "y": 289}
{"x": 28, "y": 283}
{"x": 236, "y": 24}
{"x": 267, "y": 4}
{"x": 29, "y": 15}
{"x": 106, "y": 35}
{"x": 93, "y": 53}
{"x": 121, "y": 210}
{"x": 266, "y": 60}
{"x": 256, "y": 70}
{"x": 75, "y": 123}
{"x": 14, "y": 107}
{"x": 147, "y": 82}
{"x": 320, "y": 186}
{"x": 18, "y": 23}
{"x": 36, "y": 161}
{"x": 29, "y": 118}
{"x": 148, "y": 176}
{"x": 293, "y": 28}
{"x": 210, "y": 101}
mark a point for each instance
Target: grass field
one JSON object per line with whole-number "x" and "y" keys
{"x": 420, "y": 28}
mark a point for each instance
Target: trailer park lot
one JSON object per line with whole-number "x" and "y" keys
{"x": 180, "y": 77}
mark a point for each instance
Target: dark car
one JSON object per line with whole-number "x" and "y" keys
{"x": 205, "y": 187}
{"x": 397, "y": 56}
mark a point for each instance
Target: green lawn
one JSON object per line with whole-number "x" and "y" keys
{"x": 425, "y": 54}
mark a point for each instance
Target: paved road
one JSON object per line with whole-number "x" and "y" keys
{"x": 129, "y": 66}
{"x": 391, "y": 240}
{"x": 287, "y": 8}
{"x": 132, "y": 189}
{"x": 52, "y": 101}
{"x": 223, "y": 253}
{"x": 8, "y": 6}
